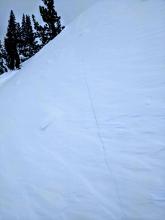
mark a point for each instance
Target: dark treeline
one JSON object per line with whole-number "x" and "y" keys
{"x": 25, "y": 39}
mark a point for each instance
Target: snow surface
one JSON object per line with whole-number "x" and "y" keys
{"x": 82, "y": 125}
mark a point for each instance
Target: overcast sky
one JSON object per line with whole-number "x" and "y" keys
{"x": 68, "y": 9}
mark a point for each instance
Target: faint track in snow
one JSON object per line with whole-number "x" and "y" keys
{"x": 103, "y": 145}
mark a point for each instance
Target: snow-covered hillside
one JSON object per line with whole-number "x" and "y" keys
{"x": 82, "y": 125}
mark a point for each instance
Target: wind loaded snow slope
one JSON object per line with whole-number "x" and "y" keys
{"x": 82, "y": 125}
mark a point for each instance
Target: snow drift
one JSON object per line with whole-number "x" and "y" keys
{"x": 82, "y": 124}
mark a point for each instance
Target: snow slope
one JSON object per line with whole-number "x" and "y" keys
{"x": 82, "y": 125}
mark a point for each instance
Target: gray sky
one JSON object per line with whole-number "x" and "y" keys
{"x": 68, "y": 9}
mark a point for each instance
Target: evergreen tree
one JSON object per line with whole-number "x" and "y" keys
{"x": 3, "y": 67}
{"x": 31, "y": 45}
{"x": 23, "y": 27}
{"x": 11, "y": 43}
{"x": 41, "y": 32}
{"x": 50, "y": 17}
{"x": 31, "y": 39}
{"x": 28, "y": 43}
{"x": 23, "y": 39}
{"x": 19, "y": 37}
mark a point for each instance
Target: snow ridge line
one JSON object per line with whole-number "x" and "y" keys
{"x": 123, "y": 216}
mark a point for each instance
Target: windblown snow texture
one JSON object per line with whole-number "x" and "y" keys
{"x": 82, "y": 125}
